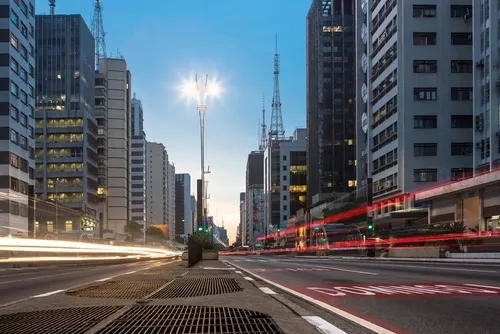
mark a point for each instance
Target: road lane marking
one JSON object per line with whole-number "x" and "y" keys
{"x": 35, "y": 278}
{"x": 248, "y": 278}
{"x": 238, "y": 272}
{"x": 48, "y": 294}
{"x": 103, "y": 279}
{"x": 484, "y": 286}
{"x": 267, "y": 291}
{"x": 130, "y": 272}
{"x": 346, "y": 270}
{"x": 216, "y": 268}
{"x": 362, "y": 322}
{"x": 322, "y": 325}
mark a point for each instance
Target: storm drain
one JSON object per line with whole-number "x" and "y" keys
{"x": 186, "y": 319}
{"x": 195, "y": 287}
{"x": 60, "y": 321}
{"x": 209, "y": 272}
{"x": 119, "y": 289}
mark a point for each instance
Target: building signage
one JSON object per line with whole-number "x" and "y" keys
{"x": 398, "y": 290}
{"x": 364, "y": 122}
{"x": 364, "y": 92}
{"x": 364, "y": 6}
{"x": 364, "y": 62}
{"x": 364, "y": 33}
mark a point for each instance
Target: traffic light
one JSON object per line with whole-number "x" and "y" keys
{"x": 279, "y": 229}
{"x": 206, "y": 230}
{"x": 370, "y": 226}
{"x": 200, "y": 228}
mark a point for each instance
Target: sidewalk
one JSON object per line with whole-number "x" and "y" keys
{"x": 208, "y": 298}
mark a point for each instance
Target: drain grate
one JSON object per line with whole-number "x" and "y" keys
{"x": 209, "y": 272}
{"x": 195, "y": 287}
{"x": 187, "y": 319}
{"x": 60, "y": 321}
{"x": 119, "y": 289}
{"x": 164, "y": 272}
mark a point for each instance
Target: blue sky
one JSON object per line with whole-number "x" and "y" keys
{"x": 165, "y": 41}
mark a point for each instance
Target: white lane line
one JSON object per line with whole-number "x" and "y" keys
{"x": 267, "y": 291}
{"x": 322, "y": 325}
{"x": 35, "y": 278}
{"x": 341, "y": 269}
{"x": 238, "y": 272}
{"x": 48, "y": 294}
{"x": 130, "y": 272}
{"x": 103, "y": 279}
{"x": 362, "y": 322}
{"x": 216, "y": 268}
{"x": 484, "y": 286}
{"x": 248, "y": 278}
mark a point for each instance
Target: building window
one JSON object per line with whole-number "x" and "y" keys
{"x": 461, "y": 121}
{"x": 23, "y": 187}
{"x": 425, "y": 122}
{"x": 425, "y": 149}
{"x": 424, "y": 38}
{"x": 14, "y": 65}
{"x": 24, "y": 30}
{"x": 14, "y": 89}
{"x": 284, "y": 177}
{"x": 425, "y": 175}
{"x": 461, "y": 149}
{"x": 285, "y": 197}
{"x": 284, "y": 217}
{"x": 14, "y": 160}
{"x": 24, "y": 165}
{"x": 14, "y": 208}
{"x": 32, "y": 50}
{"x": 14, "y": 112}
{"x": 24, "y": 52}
{"x": 32, "y": 31}
{"x": 285, "y": 207}
{"x": 14, "y": 136}
{"x": 284, "y": 167}
{"x": 461, "y": 66}
{"x": 424, "y": 66}
{"x": 14, "y": 184}
{"x": 14, "y": 41}
{"x": 425, "y": 94}
{"x": 24, "y": 75}
{"x": 14, "y": 18}
{"x": 285, "y": 188}
{"x": 460, "y": 11}
{"x": 32, "y": 10}
{"x": 284, "y": 158}
{"x": 31, "y": 173}
{"x": 24, "y": 8}
{"x": 32, "y": 71}
{"x": 424, "y": 10}
{"x": 24, "y": 120}
{"x": 32, "y": 91}
{"x": 23, "y": 142}
{"x": 24, "y": 97}
{"x": 461, "y": 93}
{"x": 461, "y": 173}
{"x": 461, "y": 38}
{"x": 32, "y": 132}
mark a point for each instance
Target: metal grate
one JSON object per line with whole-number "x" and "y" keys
{"x": 119, "y": 289}
{"x": 195, "y": 287}
{"x": 187, "y": 319}
{"x": 56, "y": 321}
{"x": 209, "y": 272}
{"x": 165, "y": 272}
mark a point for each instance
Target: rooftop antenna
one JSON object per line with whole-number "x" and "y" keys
{"x": 263, "y": 135}
{"x": 98, "y": 32}
{"x": 276, "y": 131}
{"x": 52, "y": 5}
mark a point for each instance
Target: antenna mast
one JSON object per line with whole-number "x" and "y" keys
{"x": 263, "y": 135}
{"x": 277, "y": 131}
{"x": 99, "y": 34}
{"x": 52, "y": 5}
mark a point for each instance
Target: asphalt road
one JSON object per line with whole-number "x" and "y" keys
{"x": 398, "y": 297}
{"x": 20, "y": 284}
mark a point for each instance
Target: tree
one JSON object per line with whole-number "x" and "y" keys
{"x": 133, "y": 229}
{"x": 154, "y": 233}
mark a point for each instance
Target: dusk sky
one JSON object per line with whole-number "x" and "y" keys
{"x": 166, "y": 41}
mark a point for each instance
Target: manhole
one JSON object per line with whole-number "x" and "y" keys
{"x": 119, "y": 289}
{"x": 209, "y": 272}
{"x": 60, "y": 321}
{"x": 187, "y": 319}
{"x": 195, "y": 287}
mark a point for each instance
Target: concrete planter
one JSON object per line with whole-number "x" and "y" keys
{"x": 210, "y": 255}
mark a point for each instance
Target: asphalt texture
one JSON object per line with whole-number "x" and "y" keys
{"x": 23, "y": 283}
{"x": 401, "y": 297}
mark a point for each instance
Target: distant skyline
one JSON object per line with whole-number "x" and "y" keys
{"x": 167, "y": 41}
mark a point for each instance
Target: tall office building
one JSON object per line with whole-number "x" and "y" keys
{"x": 242, "y": 214}
{"x": 101, "y": 117}
{"x": 17, "y": 141}
{"x": 66, "y": 129}
{"x": 252, "y": 225}
{"x": 139, "y": 167}
{"x": 285, "y": 179}
{"x": 183, "y": 205}
{"x": 193, "y": 212}
{"x": 170, "y": 199}
{"x": 414, "y": 97}
{"x": 486, "y": 73}
{"x": 118, "y": 117}
{"x": 156, "y": 184}
{"x": 330, "y": 99}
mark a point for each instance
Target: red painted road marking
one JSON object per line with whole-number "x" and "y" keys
{"x": 400, "y": 290}
{"x": 292, "y": 269}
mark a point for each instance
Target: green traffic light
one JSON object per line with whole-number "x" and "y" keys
{"x": 200, "y": 228}
{"x": 370, "y": 227}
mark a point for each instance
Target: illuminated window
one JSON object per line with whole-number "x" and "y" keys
{"x": 50, "y": 226}
{"x": 100, "y": 131}
{"x": 69, "y": 225}
{"x": 350, "y": 142}
{"x": 298, "y": 189}
{"x": 352, "y": 183}
{"x": 59, "y": 76}
{"x": 332, "y": 29}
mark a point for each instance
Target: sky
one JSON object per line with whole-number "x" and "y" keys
{"x": 167, "y": 41}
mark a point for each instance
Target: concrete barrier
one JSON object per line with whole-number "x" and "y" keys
{"x": 419, "y": 252}
{"x": 210, "y": 255}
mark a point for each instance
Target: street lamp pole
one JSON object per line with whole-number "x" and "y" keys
{"x": 57, "y": 205}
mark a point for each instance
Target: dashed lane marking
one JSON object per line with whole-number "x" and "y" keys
{"x": 248, "y": 278}
{"x": 48, "y": 293}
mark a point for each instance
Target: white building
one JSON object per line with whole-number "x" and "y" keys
{"x": 156, "y": 184}
{"x": 119, "y": 115}
{"x": 138, "y": 164}
{"x": 285, "y": 179}
{"x": 170, "y": 195}
{"x": 414, "y": 97}
{"x": 17, "y": 145}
